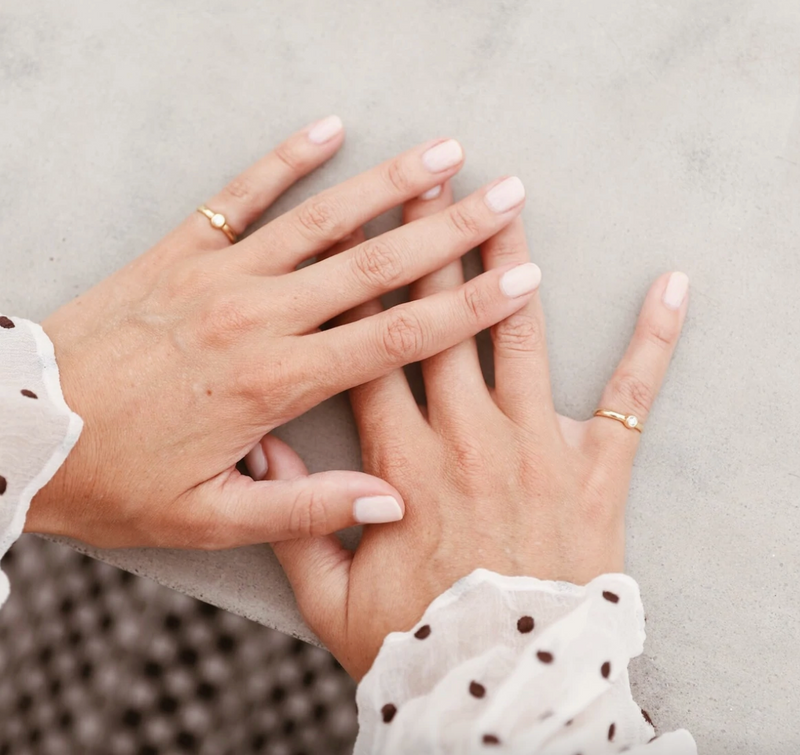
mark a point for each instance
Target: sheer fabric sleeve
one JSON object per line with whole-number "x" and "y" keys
{"x": 37, "y": 428}
{"x": 514, "y": 665}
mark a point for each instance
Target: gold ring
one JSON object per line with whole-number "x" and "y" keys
{"x": 631, "y": 421}
{"x": 219, "y": 222}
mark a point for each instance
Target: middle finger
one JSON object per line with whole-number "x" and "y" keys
{"x": 320, "y": 292}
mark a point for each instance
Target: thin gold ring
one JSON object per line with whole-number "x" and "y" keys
{"x": 219, "y": 222}
{"x": 631, "y": 421}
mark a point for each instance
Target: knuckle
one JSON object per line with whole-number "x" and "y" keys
{"x": 463, "y": 222}
{"x": 397, "y": 176}
{"x": 634, "y": 392}
{"x": 240, "y": 189}
{"x": 225, "y": 319}
{"x": 378, "y": 264}
{"x": 402, "y": 336}
{"x": 320, "y": 217}
{"x": 476, "y": 301}
{"x": 660, "y": 334}
{"x": 468, "y": 462}
{"x": 287, "y": 154}
{"x": 308, "y": 515}
{"x": 519, "y": 334}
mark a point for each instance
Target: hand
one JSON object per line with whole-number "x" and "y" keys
{"x": 183, "y": 360}
{"x": 491, "y": 478}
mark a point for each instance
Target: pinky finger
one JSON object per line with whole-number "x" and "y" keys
{"x": 638, "y": 378}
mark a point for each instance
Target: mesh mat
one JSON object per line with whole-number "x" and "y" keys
{"x": 96, "y": 661}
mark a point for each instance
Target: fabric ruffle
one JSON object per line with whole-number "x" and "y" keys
{"x": 514, "y": 665}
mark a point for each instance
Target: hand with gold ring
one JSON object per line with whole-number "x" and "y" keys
{"x": 184, "y": 360}
{"x": 492, "y": 478}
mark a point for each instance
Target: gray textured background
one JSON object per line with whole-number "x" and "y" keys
{"x": 650, "y": 136}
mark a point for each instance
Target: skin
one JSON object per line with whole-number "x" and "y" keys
{"x": 492, "y": 478}
{"x": 183, "y": 360}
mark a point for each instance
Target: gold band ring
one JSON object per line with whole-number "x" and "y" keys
{"x": 219, "y": 222}
{"x": 629, "y": 420}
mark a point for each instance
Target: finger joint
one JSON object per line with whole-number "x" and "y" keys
{"x": 402, "y": 336}
{"x": 378, "y": 265}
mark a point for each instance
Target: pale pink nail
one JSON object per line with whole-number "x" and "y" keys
{"x": 505, "y": 195}
{"x": 256, "y": 462}
{"x": 431, "y": 193}
{"x": 324, "y": 130}
{"x": 521, "y": 280}
{"x": 675, "y": 292}
{"x": 443, "y": 156}
{"x": 377, "y": 509}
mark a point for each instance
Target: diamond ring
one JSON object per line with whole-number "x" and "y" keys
{"x": 219, "y": 222}
{"x": 630, "y": 421}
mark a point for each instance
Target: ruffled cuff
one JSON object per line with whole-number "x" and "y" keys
{"x": 518, "y": 665}
{"x": 37, "y": 428}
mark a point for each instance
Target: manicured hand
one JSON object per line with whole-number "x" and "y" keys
{"x": 182, "y": 361}
{"x": 492, "y": 478}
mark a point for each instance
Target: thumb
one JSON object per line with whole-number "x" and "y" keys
{"x": 318, "y": 568}
{"x": 289, "y": 503}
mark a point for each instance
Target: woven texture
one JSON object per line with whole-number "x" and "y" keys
{"x": 95, "y": 660}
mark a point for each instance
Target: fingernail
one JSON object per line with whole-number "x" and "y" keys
{"x": 443, "y": 156}
{"x": 256, "y": 462}
{"x": 521, "y": 280}
{"x": 324, "y": 130}
{"x": 377, "y": 509}
{"x": 506, "y": 195}
{"x": 431, "y": 193}
{"x": 675, "y": 292}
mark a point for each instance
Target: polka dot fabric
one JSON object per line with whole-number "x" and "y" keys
{"x": 37, "y": 428}
{"x": 98, "y": 662}
{"x": 517, "y": 665}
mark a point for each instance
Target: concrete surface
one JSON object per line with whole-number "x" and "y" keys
{"x": 651, "y": 136}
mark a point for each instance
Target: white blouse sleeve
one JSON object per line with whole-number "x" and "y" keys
{"x": 514, "y": 665}
{"x": 37, "y": 428}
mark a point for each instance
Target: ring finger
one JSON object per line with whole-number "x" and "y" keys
{"x": 455, "y": 372}
{"x": 637, "y": 380}
{"x": 248, "y": 196}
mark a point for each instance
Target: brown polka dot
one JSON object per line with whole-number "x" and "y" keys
{"x": 423, "y": 632}
{"x": 544, "y": 656}
{"x": 605, "y": 670}
{"x": 3, "y": 484}
{"x": 547, "y": 714}
{"x": 611, "y": 731}
{"x": 569, "y": 723}
{"x": 28, "y": 394}
{"x": 490, "y": 739}
{"x": 388, "y": 712}
{"x": 476, "y": 690}
{"x": 646, "y": 717}
{"x": 6, "y": 323}
{"x": 611, "y": 597}
{"x": 525, "y": 624}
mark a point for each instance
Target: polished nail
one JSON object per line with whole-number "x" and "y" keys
{"x": 443, "y": 156}
{"x": 431, "y": 193}
{"x": 256, "y": 462}
{"x": 675, "y": 292}
{"x": 521, "y": 280}
{"x": 377, "y": 509}
{"x": 324, "y": 130}
{"x": 505, "y": 195}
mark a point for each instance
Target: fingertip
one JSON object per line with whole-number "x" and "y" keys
{"x": 377, "y": 509}
{"x": 676, "y": 291}
{"x": 521, "y": 280}
{"x": 325, "y": 130}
